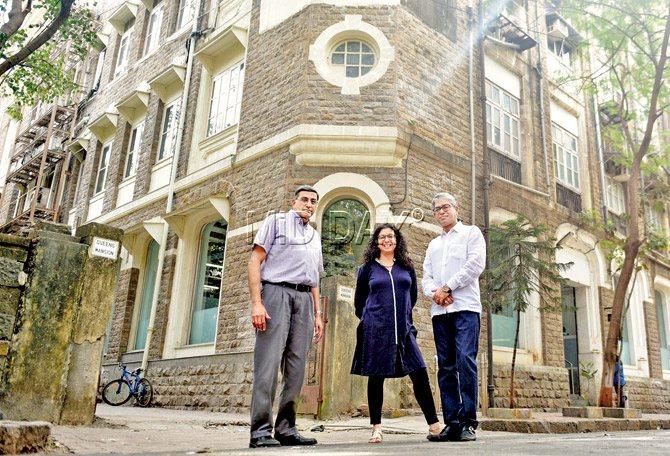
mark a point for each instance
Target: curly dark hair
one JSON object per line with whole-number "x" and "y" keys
{"x": 400, "y": 253}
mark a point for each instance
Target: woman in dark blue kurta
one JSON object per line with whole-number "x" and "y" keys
{"x": 386, "y": 292}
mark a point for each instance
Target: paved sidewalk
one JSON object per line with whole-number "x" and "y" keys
{"x": 137, "y": 430}
{"x": 157, "y": 430}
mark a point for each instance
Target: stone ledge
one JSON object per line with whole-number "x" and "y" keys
{"x": 621, "y": 413}
{"x": 567, "y": 426}
{"x": 583, "y": 412}
{"x": 509, "y": 414}
{"x": 24, "y": 436}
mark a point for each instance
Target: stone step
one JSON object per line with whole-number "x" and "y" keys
{"x": 24, "y": 436}
{"x": 575, "y": 425}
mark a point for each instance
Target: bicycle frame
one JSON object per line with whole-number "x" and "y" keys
{"x": 133, "y": 379}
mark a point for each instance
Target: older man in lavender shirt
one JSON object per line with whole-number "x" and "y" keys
{"x": 284, "y": 269}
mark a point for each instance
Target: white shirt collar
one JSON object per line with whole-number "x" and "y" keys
{"x": 456, "y": 228}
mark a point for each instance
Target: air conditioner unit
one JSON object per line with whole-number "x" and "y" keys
{"x": 558, "y": 29}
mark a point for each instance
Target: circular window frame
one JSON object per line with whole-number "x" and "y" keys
{"x": 351, "y": 28}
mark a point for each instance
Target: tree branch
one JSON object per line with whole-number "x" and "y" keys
{"x": 15, "y": 18}
{"x": 39, "y": 40}
{"x": 656, "y": 90}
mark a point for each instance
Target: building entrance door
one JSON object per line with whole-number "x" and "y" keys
{"x": 570, "y": 339}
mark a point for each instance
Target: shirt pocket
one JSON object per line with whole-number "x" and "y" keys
{"x": 457, "y": 251}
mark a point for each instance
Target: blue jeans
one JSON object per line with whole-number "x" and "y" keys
{"x": 457, "y": 340}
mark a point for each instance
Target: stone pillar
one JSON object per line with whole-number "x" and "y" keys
{"x": 343, "y": 392}
{"x": 99, "y": 277}
{"x": 56, "y": 351}
{"x": 40, "y": 348}
{"x": 13, "y": 255}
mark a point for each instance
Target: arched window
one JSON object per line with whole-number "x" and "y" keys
{"x": 150, "y": 269}
{"x": 208, "y": 283}
{"x": 662, "y": 317}
{"x": 345, "y": 234}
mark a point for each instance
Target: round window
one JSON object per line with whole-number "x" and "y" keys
{"x": 356, "y": 58}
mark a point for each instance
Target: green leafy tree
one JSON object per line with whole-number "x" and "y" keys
{"x": 33, "y": 36}
{"x": 522, "y": 263}
{"x": 627, "y": 41}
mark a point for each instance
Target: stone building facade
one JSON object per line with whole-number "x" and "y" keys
{"x": 378, "y": 104}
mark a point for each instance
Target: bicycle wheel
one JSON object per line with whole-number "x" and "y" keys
{"x": 116, "y": 392}
{"x": 145, "y": 392}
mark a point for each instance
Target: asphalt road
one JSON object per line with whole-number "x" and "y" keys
{"x": 503, "y": 444}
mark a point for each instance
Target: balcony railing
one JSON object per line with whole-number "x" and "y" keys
{"x": 505, "y": 167}
{"x": 568, "y": 198}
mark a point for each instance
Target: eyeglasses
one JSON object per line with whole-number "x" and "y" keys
{"x": 443, "y": 208}
{"x": 386, "y": 236}
{"x": 304, "y": 199}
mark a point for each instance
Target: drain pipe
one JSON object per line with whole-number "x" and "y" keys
{"x": 486, "y": 171}
{"x": 601, "y": 159}
{"x": 473, "y": 167}
{"x": 190, "y": 50}
{"x": 543, "y": 132}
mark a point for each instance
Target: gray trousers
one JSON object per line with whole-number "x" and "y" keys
{"x": 283, "y": 345}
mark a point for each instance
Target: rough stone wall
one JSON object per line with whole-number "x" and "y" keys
{"x": 648, "y": 395}
{"x": 217, "y": 383}
{"x": 537, "y": 387}
{"x": 124, "y": 302}
{"x": 653, "y": 341}
{"x": 13, "y": 255}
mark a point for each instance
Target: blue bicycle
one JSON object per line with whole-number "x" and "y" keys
{"x": 131, "y": 384}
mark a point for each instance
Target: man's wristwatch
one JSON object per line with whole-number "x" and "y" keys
{"x": 446, "y": 289}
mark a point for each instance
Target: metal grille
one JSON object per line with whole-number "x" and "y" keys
{"x": 505, "y": 167}
{"x": 568, "y": 198}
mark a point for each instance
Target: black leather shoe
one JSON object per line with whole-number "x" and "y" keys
{"x": 468, "y": 434}
{"x": 447, "y": 434}
{"x": 294, "y": 440}
{"x": 262, "y": 442}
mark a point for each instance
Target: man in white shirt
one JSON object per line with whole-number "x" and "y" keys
{"x": 451, "y": 269}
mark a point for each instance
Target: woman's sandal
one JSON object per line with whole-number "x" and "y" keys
{"x": 434, "y": 433}
{"x": 376, "y": 436}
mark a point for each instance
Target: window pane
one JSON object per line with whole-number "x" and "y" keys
{"x": 338, "y": 59}
{"x": 625, "y": 348}
{"x": 340, "y": 48}
{"x": 150, "y": 269}
{"x": 368, "y": 59}
{"x": 352, "y": 72}
{"x": 495, "y": 95}
{"x": 366, "y": 48}
{"x": 208, "y": 283}
{"x": 365, "y": 70}
{"x": 503, "y": 329}
{"x": 353, "y": 46}
{"x": 353, "y": 59}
